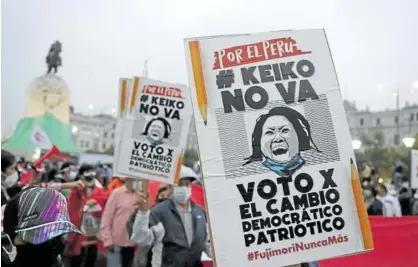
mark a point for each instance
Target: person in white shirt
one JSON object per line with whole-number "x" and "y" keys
{"x": 391, "y": 205}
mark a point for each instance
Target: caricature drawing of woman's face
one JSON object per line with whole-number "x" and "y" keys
{"x": 156, "y": 131}
{"x": 279, "y": 140}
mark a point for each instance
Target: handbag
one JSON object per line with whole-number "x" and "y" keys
{"x": 90, "y": 224}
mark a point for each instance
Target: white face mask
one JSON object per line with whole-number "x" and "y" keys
{"x": 11, "y": 180}
{"x": 181, "y": 194}
{"x": 72, "y": 175}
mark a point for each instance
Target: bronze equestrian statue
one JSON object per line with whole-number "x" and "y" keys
{"x": 54, "y": 59}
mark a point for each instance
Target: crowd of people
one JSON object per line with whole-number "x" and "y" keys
{"x": 70, "y": 215}
{"x": 394, "y": 199}
{"x": 63, "y": 214}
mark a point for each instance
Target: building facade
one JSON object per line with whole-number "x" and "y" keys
{"x": 93, "y": 132}
{"x": 384, "y": 128}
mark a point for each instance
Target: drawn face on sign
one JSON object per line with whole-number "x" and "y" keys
{"x": 156, "y": 131}
{"x": 279, "y": 140}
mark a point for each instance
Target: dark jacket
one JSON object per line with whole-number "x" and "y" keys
{"x": 175, "y": 251}
{"x": 376, "y": 208}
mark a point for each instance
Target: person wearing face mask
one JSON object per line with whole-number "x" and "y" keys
{"x": 66, "y": 174}
{"x": 9, "y": 176}
{"x": 115, "y": 237}
{"x": 85, "y": 206}
{"x": 175, "y": 228}
{"x": 68, "y": 171}
{"x": 35, "y": 221}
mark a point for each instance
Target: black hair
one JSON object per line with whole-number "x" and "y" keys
{"x": 85, "y": 168}
{"x": 167, "y": 126}
{"x": 383, "y": 187}
{"x": 67, "y": 164}
{"x": 299, "y": 123}
{"x": 7, "y": 160}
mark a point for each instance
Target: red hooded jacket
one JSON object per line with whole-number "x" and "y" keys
{"x": 76, "y": 200}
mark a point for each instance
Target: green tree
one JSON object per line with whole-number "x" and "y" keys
{"x": 190, "y": 157}
{"x": 110, "y": 150}
{"x": 383, "y": 159}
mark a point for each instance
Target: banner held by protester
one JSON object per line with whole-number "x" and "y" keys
{"x": 125, "y": 88}
{"x": 155, "y": 130}
{"x": 275, "y": 148}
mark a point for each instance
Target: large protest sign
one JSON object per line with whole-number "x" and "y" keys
{"x": 276, "y": 149}
{"x": 414, "y": 169}
{"x": 155, "y": 129}
{"x": 125, "y": 86}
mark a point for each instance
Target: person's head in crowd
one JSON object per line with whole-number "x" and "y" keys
{"x": 183, "y": 191}
{"x": 381, "y": 189}
{"x": 368, "y": 196}
{"x": 87, "y": 174}
{"x": 9, "y": 176}
{"x": 121, "y": 179}
{"x": 36, "y": 220}
{"x": 132, "y": 184}
{"x": 8, "y": 163}
{"x": 53, "y": 175}
{"x": 164, "y": 192}
{"x": 68, "y": 171}
{"x": 21, "y": 164}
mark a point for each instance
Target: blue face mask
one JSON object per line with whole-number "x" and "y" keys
{"x": 285, "y": 169}
{"x": 154, "y": 141}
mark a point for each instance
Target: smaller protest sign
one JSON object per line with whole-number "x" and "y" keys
{"x": 125, "y": 86}
{"x": 155, "y": 129}
{"x": 414, "y": 169}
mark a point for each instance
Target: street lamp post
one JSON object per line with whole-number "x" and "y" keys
{"x": 380, "y": 87}
{"x": 398, "y": 111}
{"x": 409, "y": 143}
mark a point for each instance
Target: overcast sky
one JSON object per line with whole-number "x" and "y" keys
{"x": 372, "y": 42}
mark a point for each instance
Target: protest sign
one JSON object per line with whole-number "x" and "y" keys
{"x": 155, "y": 129}
{"x": 275, "y": 146}
{"x": 125, "y": 86}
{"x": 414, "y": 169}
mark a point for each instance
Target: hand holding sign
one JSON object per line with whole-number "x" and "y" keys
{"x": 141, "y": 201}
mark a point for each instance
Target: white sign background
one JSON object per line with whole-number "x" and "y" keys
{"x": 134, "y": 123}
{"x": 121, "y": 114}
{"x": 222, "y": 195}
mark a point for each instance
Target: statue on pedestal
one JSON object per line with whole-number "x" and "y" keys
{"x": 53, "y": 59}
